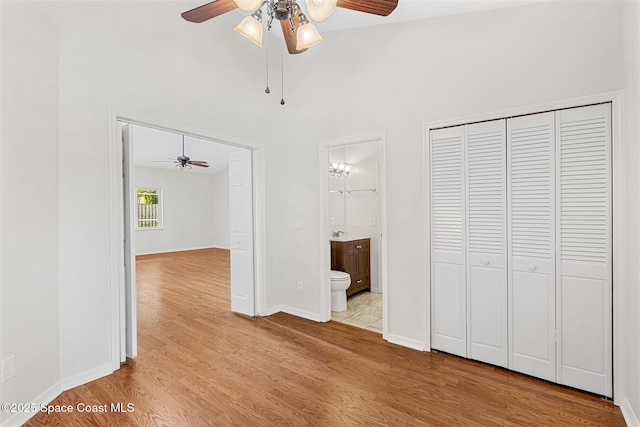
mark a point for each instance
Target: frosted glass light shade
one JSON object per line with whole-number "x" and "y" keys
{"x": 319, "y": 10}
{"x": 307, "y": 36}
{"x": 251, "y": 28}
{"x": 248, "y": 5}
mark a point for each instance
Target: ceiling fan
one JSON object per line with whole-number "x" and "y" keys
{"x": 299, "y": 33}
{"x": 184, "y": 162}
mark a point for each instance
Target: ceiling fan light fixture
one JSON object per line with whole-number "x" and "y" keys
{"x": 319, "y": 10}
{"x": 248, "y": 5}
{"x": 251, "y": 27}
{"x": 306, "y": 34}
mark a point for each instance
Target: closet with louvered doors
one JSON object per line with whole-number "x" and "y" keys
{"x": 584, "y": 254}
{"x": 531, "y": 218}
{"x": 468, "y": 241}
{"x": 521, "y": 255}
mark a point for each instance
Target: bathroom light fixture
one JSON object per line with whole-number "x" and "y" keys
{"x": 339, "y": 169}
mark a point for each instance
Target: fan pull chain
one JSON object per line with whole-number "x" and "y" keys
{"x": 267, "y": 90}
{"x": 282, "y": 71}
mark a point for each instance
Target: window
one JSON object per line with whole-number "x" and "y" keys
{"x": 149, "y": 202}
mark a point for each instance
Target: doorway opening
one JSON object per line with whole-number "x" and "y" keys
{"x": 353, "y": 229}
{"x": 243, "y": 235}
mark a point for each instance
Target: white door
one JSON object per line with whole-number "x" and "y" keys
{"x": 487, "y": 242}
{"x": 241, "y": 224}
{"x": 130, "y": 348}
{"x": 584, "y": 253}
{"x": 531, "y": 217}
{"x": 448, "y": 289}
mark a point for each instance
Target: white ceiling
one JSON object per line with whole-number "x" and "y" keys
{"x": 158, "y": 149}
{"x": 411, "y": 10}
{"x": 151, "y": 145}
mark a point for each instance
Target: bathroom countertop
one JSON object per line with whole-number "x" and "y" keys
{"x": 347, "y": 238}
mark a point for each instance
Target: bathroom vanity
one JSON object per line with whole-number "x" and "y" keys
{"x": 352, "y": 254}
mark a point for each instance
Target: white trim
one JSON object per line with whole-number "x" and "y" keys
{"x": 405, "y": 342}
{"x": 56, "y": 389}
{"x": 630, "y": 417}
{"x": 300, "y": 313}
{"x": 19, "y": 418}
{"x": 426, "y": 238}
{"x": 116, "y": 226}
{"x": 85, "y": 377}
{"x": 325, "y": 249}
{"x": 272, "y": 310}
{"x": 618, "y": 177}
{"x": 194, "y": 248}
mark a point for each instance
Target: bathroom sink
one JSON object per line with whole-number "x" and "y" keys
{"x": 346, "y": 238}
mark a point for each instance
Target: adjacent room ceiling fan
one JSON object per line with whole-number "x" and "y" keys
{"x": 184, "y": 162}
{"x": 299, "y": 33}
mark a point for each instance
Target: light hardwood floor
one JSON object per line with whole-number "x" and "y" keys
{"x": 201, "y": 365}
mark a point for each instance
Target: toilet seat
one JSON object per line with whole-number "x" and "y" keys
{"x": 339, "y": 275}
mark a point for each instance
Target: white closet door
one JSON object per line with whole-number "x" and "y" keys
{"x": 584, "y": 250}
{"x": 531, "y": 217}
{"x": 487, "y": 241}
{"x": 449, "y": 311}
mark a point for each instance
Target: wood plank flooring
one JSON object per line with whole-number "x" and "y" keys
{"x": 201, "y": 365}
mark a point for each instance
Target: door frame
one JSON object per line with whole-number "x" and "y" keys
{"x": 618, "y": 192}
{"x": 325, "y": 248}
{"x": 116, "y": 209}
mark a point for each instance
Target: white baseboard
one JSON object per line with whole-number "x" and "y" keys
{"x": 405, "y": 342}
{"x": 45, "y": 398}
{"x": 272, "y": 310}
{"x": 166, "y": 251}
{"x": 86, "y": 376}
{"x": 300, "y": 313}
{"x": 630, "y": 417}
{"x": 55, "y": 390}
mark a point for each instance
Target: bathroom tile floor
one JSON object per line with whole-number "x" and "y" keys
{"x": 364, "y": 310}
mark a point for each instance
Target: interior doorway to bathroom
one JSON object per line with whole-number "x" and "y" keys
{"x": 353, "y": 215}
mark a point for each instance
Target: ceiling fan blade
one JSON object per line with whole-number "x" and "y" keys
{"x": 198, "y": 163}
{"x": 209, "y": 10}
{"x": 290, "y": 36}
{"x": 376, "y": 7}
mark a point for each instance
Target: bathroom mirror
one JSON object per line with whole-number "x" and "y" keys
{"x": 336, "y": 202}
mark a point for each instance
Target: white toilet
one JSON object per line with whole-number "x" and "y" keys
{"x": 340, "y": 281}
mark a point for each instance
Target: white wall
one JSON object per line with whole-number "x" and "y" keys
{"x": 630, "y": 323}
{"x": 189, "y": 208}
{"x": 360, "y": 207}
{"x": 29, "y": 207}
{"x": 119, "y": 54}
{"x": 420, "y": 72}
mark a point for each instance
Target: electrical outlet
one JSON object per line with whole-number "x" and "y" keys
{"x": 300, "y": 286}
{"x": 8, "y": 368}
{"x": 358, "y": 221}
{"x": 372, "y": 222}
{"x": 297, "y": 225}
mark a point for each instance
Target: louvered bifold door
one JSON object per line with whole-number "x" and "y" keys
{"x": 531, "y": 219}
{"x": 448, "y": 295}
{"x": 584, "y": 279}
{"x": 487, "y": 241}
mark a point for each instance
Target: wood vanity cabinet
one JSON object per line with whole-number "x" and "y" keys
{"x": 353, "y": 257}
